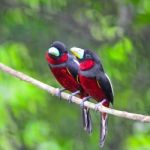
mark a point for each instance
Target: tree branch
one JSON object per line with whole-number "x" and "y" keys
{"x": 76, "y": 100}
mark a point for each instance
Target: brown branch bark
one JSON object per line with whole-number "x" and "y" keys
{"x": 53, "y": 91}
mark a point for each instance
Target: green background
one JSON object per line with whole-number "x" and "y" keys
{"x": 118, "y": 31}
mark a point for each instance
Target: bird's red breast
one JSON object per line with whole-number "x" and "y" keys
{"x": 64, "y": 77}
{"x": 93, "y": 88}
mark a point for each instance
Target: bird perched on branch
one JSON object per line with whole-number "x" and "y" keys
{"x": 64, "y": 67}
{"x": 95, "y": 82}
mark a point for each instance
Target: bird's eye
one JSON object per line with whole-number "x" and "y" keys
{"x": 88, "y": 56}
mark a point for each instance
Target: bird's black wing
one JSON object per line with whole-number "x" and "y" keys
{"x": 97, "y": 60}
{"x": 73, "y": 66}
{"x": 105, "y": 83}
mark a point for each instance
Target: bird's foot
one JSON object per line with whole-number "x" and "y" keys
{"x": 84, "y": 100}
{"x": 99, "y": 104}
{"x": 111, "y": 106}
{"x": 71, "y": 95}
{"x": 58, "y": 93}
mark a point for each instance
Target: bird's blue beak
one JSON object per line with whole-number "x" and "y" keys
{"x": 53, "y": 51}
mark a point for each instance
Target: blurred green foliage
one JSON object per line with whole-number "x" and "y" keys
{"x": 119, "y": 32}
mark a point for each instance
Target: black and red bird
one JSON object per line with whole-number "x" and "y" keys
{"x": 64, "y": 67}
{"x": 95, "y": 82}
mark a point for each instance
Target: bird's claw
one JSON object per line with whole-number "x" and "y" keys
{"x": 82, "y": 103}
{"x": 96, "y": 106}
{"x": 70, "y": 99}
{"x": 84, "y": 100}
{"x": 58, "y": 93}
{"x": 71, "y": 95}
{"x": 99, "y": 104}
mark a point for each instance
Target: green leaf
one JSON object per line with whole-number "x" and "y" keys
{"x": 120, "y": 51}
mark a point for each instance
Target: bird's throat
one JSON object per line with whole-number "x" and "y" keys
{"x": 55, "y": 61}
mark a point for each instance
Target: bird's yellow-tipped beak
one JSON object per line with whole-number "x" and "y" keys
{"x": 53, "y": 51}
{"x": 78, "y": 52}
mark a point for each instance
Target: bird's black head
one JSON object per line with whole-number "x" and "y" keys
{"x": 57, "y": 49}
{"x": 88, "y": 55}
{"x": 84, "y": 54}
{"x": 86, "y": 58}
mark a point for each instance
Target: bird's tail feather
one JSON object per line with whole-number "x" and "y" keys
{"x": 103, "y": 128}
{"x": 87, "y": 123}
